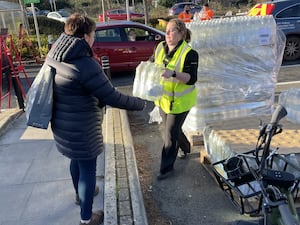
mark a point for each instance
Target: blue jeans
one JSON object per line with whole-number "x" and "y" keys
{"x": 83, "y": 174}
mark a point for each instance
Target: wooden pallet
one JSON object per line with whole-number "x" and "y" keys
{"x": 195, "y": 138}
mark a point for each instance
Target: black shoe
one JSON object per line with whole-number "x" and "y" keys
{"x": 162, "y": 176}
{"x": 77, "y": 202}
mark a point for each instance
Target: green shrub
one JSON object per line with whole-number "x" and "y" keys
{"x": 47, "y": 27}
{"x": 166, "y": 3}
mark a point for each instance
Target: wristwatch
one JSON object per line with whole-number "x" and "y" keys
{"x": 174, "y": 74}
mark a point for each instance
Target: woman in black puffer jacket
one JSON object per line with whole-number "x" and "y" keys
{"x": 81, "y": 89}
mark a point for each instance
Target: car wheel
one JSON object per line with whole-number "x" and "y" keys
{"x": 292, "y": 48}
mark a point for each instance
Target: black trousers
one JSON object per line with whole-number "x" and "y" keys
{"x": 174, "y": 139}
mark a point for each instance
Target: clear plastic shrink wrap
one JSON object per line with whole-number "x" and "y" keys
{"x": 239, "y": 61}
{"x": 147, "y": 82}
{"x": 290, "y": 99}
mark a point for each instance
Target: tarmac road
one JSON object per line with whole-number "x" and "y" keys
{"x": 191, "y": 196}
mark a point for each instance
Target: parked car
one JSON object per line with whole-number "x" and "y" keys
{"x": 38, "y": 12}
{"x": 61, "y": 16}
{"x": 30, "y": 13}
{"x": 287, "y": 16}
{"x": 111, "y": 39}
{"x": 178, "y": 8}
{"x": 119, "y": 14}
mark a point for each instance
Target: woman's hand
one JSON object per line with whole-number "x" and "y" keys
{"x": 181, "y": 77}
{"x": 167, "y": 74}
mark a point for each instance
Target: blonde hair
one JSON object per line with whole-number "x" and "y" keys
{"x": 180, "y": 25}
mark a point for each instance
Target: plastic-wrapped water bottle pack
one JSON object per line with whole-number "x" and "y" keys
{"x": 147, "y": 82}
{"x": 239, "y": 61}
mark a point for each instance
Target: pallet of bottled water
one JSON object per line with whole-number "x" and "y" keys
{"x": 239, "y": 61}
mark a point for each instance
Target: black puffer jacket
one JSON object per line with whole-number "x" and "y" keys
{"x": 80, "y": 89}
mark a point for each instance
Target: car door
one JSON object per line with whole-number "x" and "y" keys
{"x": 117, "y": 14}
{"x": 109, "y": 42}
{"x": 142, "y": 48}
{"x": 113, "y": 14}
{"x": 122, "y": 14}
{"x": 288, "y": 20}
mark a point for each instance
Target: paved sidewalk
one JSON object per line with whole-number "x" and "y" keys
{"x": 36, "y": 187}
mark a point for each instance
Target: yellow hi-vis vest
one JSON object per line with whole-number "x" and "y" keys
{"x": 177, "y": 97}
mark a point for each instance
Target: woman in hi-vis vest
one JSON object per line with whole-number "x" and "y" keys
{"x": 179, "y": 92}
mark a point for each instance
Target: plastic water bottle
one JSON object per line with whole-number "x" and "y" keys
{"x": 137, "y": 80}
{"x": 153, "y": 87}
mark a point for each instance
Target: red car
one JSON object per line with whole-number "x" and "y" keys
{"x": 113, "y": 39}
{"x": 118, "y": 14}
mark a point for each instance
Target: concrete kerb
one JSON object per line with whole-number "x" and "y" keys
{"x": 110, "y": 199}
{"x": 112, "y": 207}
{"x": 139, "y": 213}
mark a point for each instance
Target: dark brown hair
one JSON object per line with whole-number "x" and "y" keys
{"x": 77, "y": 25}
